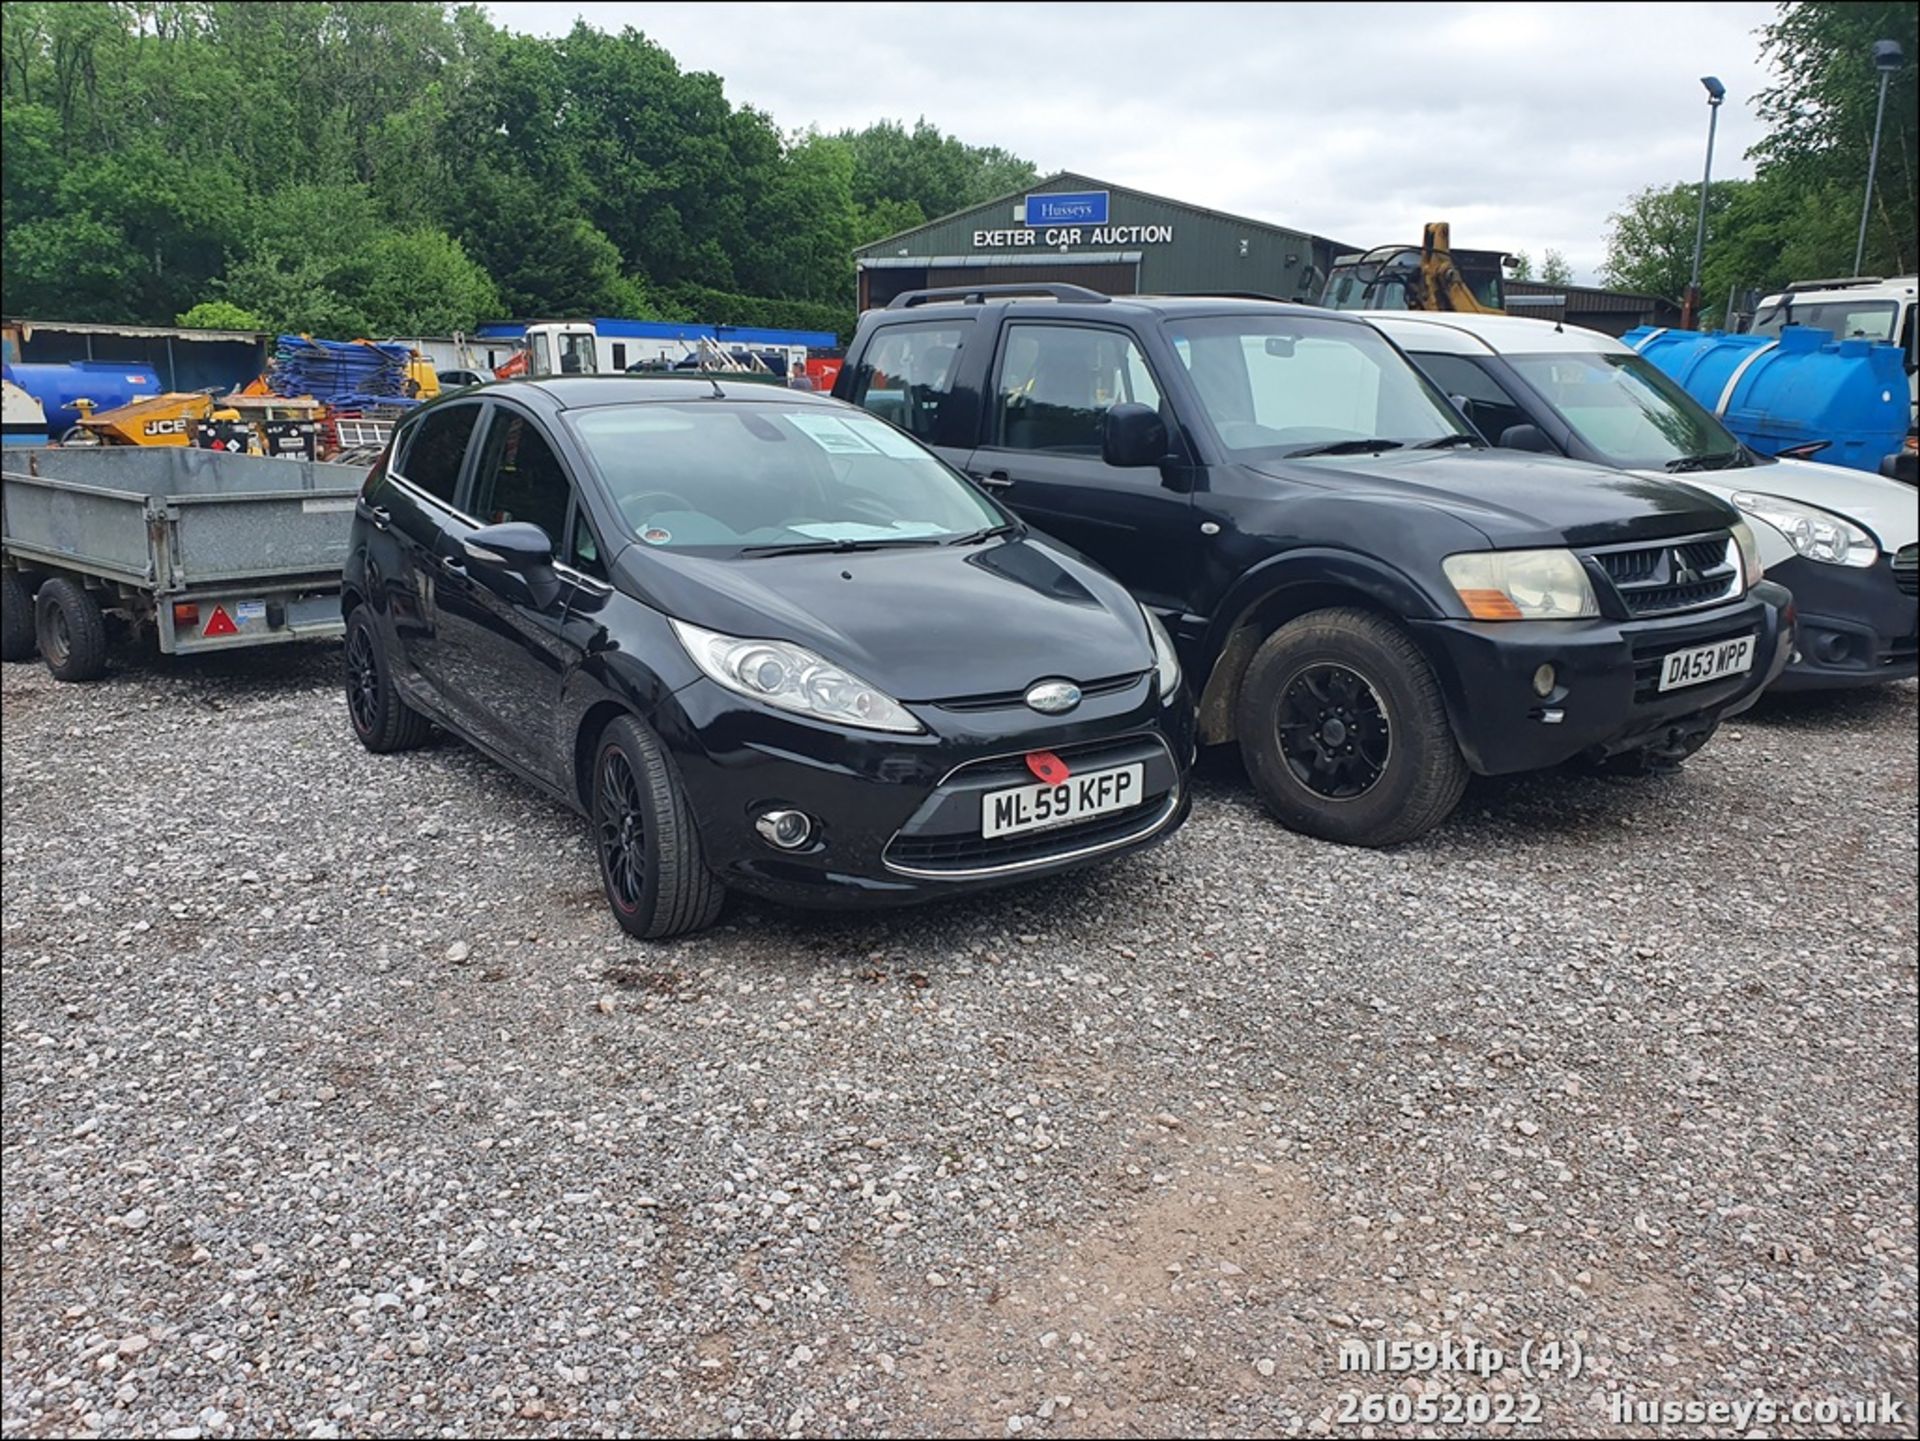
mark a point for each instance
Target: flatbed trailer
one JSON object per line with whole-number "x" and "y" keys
{"x": 204, "y": 550}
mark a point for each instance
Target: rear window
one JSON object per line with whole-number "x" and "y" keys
{"x": 907, "y": 374}
{"x": 436, "y": 447}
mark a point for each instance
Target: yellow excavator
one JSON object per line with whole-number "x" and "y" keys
{"x": 1433, "y": 277}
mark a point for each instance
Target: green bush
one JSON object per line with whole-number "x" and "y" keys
{"x": 220, "y": 315}
{"x": 708, "y": 306}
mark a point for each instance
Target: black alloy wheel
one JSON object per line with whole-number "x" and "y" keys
{"x": 1333, "y": 731}
{"x": 621, "y": 819}
{"x": 363, "y": 681}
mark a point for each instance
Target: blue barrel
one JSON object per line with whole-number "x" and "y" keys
{"x": 1798, "y": 388}
{"x": 107, "y": 383}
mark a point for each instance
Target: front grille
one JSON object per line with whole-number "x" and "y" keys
{"x": 1674, "y": 575}
{"x": 962, "y": 853}
{"x": 1006, "y": 700}
{"x": 1906, "y": 569}
{"x": 944, "y": 836}
{"x": 1650, "y": 656}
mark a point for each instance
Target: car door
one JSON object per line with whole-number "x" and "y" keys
{"x": 1051, "y": 387}
{"x": 908, "y": 374}
{"x": 416, "y": 508}
{"x": 512, "y": 644}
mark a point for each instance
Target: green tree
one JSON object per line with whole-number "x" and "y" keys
{"x": 1650, "y": 239}
{"x": 1520, "y": 265}
{"x": 1554, "y": 269}
{"x": 220, "y": 315}
{"x": 420, "y": 282}
{"x": 1820, "y": 118}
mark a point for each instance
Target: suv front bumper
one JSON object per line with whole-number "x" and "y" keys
{"x": 1606, "y": 694}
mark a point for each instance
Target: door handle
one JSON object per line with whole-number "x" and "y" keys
{"x": 993, "y": 479}
{"x": 378, "y": 516}
{"x": 452, "y": 567}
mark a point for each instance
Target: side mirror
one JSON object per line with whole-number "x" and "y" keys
{"x": 1526, "y": 437}
{"x": 516, "y": 548}
{"x": 1133, "y": 435}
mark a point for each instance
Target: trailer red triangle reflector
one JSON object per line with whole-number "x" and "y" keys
{"x": 220, "y": 623}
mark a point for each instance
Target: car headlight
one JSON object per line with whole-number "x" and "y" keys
{"x": 1166, "y": 663}
{"x": 1522, "y": 584}
{"x": 1815, "y": 533}
{"x": 1752, "y": 568}
{"x": 793, "y": 678}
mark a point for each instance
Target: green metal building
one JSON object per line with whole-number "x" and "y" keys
{"x": 1108, "y": 238}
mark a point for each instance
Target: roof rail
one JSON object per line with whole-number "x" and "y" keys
{"x": 1248, "y": 295}
{"x": 980, "y": 294}
{"x": 1840, "y": 282}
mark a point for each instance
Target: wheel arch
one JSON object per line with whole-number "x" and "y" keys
{"x": 1284, "y": 590}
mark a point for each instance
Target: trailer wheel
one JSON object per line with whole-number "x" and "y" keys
{"x": 71, "y": 631}
{"x": 16, "y": 618}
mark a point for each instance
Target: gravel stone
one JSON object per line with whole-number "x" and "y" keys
{"x": 1623, "y": 1064}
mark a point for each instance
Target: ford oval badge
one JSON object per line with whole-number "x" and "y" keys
{"x": 1054, "y": 697}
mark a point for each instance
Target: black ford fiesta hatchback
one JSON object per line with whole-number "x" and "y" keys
{"x": 762, "y": 640}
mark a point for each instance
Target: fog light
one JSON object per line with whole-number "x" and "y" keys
{"x": 185, "y": 613}
{"x": 789, "y": 830}
{"x": 1543, "y": 682}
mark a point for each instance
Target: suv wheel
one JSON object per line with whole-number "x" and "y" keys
{"x": 657, "y": 880}
{"x": 1344, "y": 732}
{"x": 381, "y": 720}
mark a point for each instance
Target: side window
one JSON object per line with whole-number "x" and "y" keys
{"x": 1057, "y": 382}
{"x": 1489, "y": 406}
{"x": 436, "y": 448}
{"x": 583, "y": 551}
{"x": 908, "y": 373}
{"x": 520, "y": 477}
{"x": 619, "y": 355}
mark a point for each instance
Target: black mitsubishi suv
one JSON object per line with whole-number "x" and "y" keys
{"x": 1367, "y": 597}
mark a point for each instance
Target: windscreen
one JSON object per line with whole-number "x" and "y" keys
{"x": 1283, "y": 384}
{"x": 1628, "y": 411}
{"x": 1845, "y": 319}
{"x": 720, "y": 478}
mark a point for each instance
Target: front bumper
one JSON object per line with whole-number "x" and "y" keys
{"x": 897, "y": 818}
{"x": 1852, "y": 626}
{"x": 1607, "y": 672}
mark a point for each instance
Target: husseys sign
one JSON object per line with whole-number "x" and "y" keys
{"x": 1079, "y": 218}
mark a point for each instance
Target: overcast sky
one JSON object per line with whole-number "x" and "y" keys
{"x": 1524, "y": 124}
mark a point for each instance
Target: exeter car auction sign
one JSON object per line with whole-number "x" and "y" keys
{"x": 1063, "y": 220}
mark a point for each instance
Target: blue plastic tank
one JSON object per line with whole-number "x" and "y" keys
{"x": 1800, "y": 388}
{"x": 107, "y": 383}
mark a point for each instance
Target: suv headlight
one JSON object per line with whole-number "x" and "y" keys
{"x": 1815, "y": 533}
{"x": 1522, "y": 585}
{"x": 790, "y": 677}
{"x": 1166, "y": 663}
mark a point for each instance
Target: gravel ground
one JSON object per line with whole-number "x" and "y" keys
{"x": 336, "y": 1105}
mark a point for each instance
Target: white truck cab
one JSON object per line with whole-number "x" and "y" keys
{"x": 567, "y": 347}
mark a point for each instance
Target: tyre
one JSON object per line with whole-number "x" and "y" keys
{"x": 16, "y": 617}
{"x": 70, "y": 630}
{"x": 383, "y": 721}
{"x": 656, "y": 878}
{"x": 1344, "y": 733}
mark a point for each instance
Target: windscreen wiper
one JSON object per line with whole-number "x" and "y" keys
{"x": 1447, "y": 442}
{"x": 834, "y": 547}
{"x": 1345, "y": 447}
{"x": 1702, "y": 462}
{"x": 1005, "y": 527}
